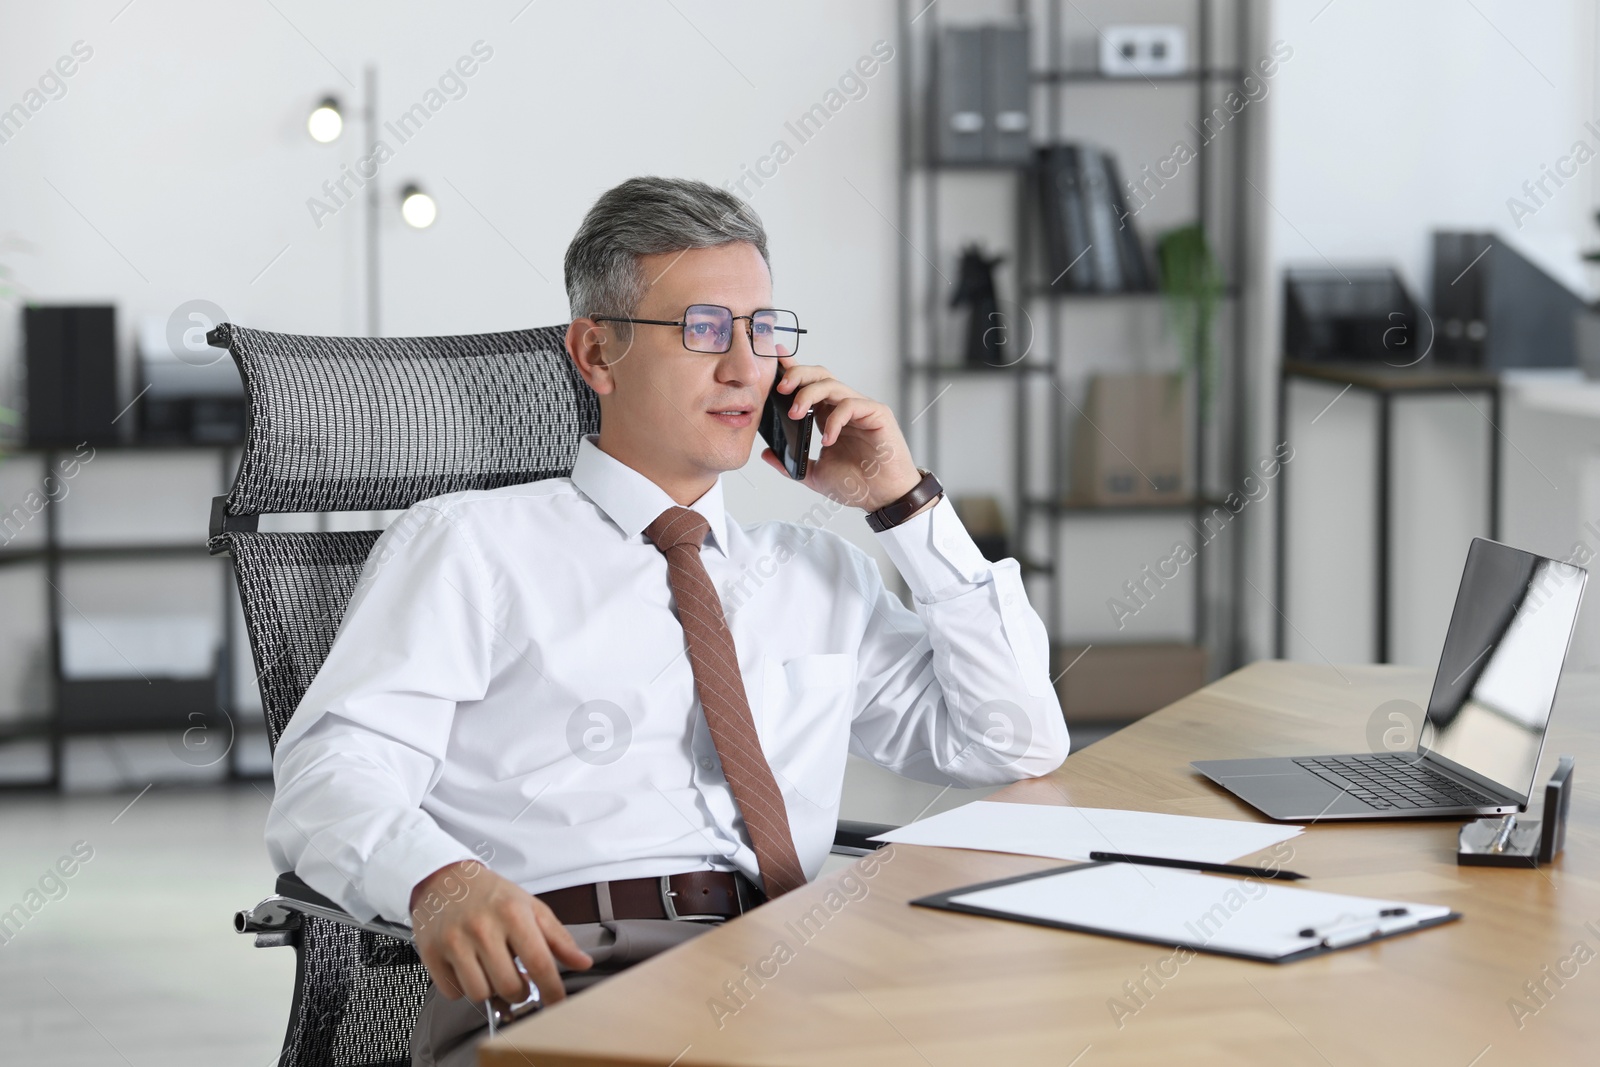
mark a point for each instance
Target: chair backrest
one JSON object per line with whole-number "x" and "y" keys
{"x": 366, "y": 424}
{"x": 375, "y": 423}
{"x": 369, "y": 424}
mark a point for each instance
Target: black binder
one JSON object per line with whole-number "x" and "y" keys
{"x": 1090, "y": 243}
{"x": 1135, "y": 269}
{"x": 1065, "y": 218}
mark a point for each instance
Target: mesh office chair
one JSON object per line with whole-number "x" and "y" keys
{"x": 370, "y": 424}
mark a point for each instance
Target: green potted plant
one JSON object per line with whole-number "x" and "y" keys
{"x": 1191, "y": 288}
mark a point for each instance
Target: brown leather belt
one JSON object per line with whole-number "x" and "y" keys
{"x": 702, "y": 895}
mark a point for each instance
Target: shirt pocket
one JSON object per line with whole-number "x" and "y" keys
{"x": 807, "y": 704}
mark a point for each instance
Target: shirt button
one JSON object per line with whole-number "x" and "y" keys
{"x": 1011, "y": 598}
{"x": 950, "y": 542}
{"x": 705, "y": 762}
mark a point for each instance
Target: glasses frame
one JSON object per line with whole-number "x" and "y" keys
{"x": 683, "y": 324}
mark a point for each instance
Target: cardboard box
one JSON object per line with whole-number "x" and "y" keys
{"x": 1131, "y": 441}
{"x": 1120, "y": 683}
{"x": 981, "y": 516}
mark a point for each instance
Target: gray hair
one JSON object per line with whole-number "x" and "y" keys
{"x": 643, "y": 217}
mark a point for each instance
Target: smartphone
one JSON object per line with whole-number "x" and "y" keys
{"x": 789, "y": 438}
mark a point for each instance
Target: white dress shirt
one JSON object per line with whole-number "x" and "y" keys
{"x": 510, "y": 683}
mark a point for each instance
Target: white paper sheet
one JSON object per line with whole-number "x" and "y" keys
{"x": 1072, "y": 833}
{"x": 1219, "y": 913}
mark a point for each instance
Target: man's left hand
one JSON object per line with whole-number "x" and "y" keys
{"x": 865, "y": 460}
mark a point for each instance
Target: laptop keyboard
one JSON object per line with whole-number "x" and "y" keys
{"x": 1388, "y": 780}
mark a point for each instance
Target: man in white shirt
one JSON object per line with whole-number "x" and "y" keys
{"x": 529, "y": 739}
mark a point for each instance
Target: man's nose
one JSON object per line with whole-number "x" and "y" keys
{"x": 740, "y": 362}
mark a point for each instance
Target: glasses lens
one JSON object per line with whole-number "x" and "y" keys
{"x": 776, "y": 333}
{"x": 707, "y": 328}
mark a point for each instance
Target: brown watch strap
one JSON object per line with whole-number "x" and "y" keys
{"x": 891, "y": 515}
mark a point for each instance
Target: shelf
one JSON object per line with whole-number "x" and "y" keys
{"x": 1062, "y": 293}
{"x": 978, "y": 165}
{"x": 24, "y": 448}
{"x": 961, "y": 370}
{"x": 1069, "y": 506}
{"x": 1382, "y": 378}
{"x": 135, "y": 704}
{"x": 27, "y": 728}
{"x": 1190, "y": 76}
{"x": 35, "y": 728}
{"x": 1059, "y": 293}
{"x": 112, "y": 551}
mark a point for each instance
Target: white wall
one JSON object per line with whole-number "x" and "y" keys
{"x": 177, "y": 164}
{"x": 1391, "y": 121}
{"x": 1552, "y": 504}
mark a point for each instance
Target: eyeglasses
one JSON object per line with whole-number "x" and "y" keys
{"x": 709, "y": 328}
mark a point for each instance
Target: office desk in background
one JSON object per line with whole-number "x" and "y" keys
{"x": 875, "y": 981}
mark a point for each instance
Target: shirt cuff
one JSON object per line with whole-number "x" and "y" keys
{"x": 934, "y": 552}
{"x": 394, "y": 870}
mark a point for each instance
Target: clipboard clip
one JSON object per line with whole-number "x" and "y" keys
{"x": 1349, "y": 929}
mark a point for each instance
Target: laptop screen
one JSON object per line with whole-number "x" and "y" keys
{"x": 1502, "y": 658}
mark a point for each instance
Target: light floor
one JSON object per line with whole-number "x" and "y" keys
{"x": 135, "y": 962}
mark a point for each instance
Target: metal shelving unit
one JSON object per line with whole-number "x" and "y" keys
{"x": 926, "y": 373}
{"x": 132, "y": 704}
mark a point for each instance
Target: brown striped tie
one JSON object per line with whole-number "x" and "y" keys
{"x": 678, "y": 533}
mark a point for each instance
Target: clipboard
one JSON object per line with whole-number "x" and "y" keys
{"x": 1245, "y": 919}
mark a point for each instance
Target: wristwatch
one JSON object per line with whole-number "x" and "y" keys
{"x": 893, "y": 514}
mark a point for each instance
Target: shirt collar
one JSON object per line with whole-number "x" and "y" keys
{"x": 633, "y": 501}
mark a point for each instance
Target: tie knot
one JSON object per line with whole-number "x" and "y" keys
{"x": 677, "y": 526}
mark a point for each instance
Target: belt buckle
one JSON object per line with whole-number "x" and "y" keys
{"x": 667, "y": 893}
{"x": 501, "y": 1013}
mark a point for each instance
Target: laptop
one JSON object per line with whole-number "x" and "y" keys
{"x": 1485, "y": 726}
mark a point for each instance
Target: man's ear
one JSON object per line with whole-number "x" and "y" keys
{"x": 587, "y": 342}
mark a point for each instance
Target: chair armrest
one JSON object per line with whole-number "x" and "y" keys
{"x": 276, "y": 921}
{"x": 851, "y": 837}
{"x": 293, "y": 887}
{"x": 276, "y": 918}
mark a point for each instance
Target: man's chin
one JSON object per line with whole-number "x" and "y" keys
{"x": 733, "y": 458}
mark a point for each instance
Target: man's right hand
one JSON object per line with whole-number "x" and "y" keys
{"x": 467, "y": 924}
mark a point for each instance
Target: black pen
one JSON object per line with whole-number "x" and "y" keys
{"x": 1196, "y": 865}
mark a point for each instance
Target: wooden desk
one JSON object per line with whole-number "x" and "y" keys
{"x": 878, "y": 982}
